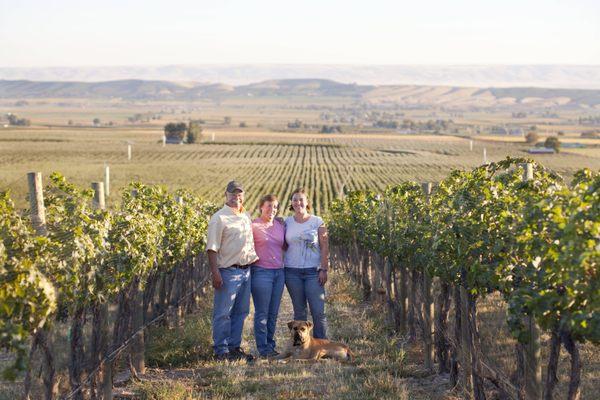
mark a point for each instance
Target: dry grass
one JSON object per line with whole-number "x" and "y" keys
{"x": 589, "y": 152}
{"x": 381, "y": 370}
{"x": 386, "y": 367}
{"x": 498, "y": 345}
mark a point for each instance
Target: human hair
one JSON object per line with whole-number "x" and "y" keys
{"x": 265, "y": 198}
{"x": 303, "y": 191}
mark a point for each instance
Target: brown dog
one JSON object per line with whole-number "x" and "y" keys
{"x": 304, "y": 347}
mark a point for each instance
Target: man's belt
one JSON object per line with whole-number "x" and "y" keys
{"x": 238, "y": 266}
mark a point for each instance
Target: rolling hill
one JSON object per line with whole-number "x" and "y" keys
{"x": 548, "y": 76}
{"x": 417, "y": 95}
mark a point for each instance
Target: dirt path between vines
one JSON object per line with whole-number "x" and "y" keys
{"x": 385, "y": 367}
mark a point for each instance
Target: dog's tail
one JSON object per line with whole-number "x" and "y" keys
{"x": 350, "y": 354}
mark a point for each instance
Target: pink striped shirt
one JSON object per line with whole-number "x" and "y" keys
{"x": 268, "y": 243}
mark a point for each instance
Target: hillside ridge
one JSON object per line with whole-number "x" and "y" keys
{"x": 440, "y": 95}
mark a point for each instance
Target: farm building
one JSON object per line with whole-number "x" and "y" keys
{"x": 174, "y": 140}
{"x": 407, "y": 131}
{"x": 540, "y": 150}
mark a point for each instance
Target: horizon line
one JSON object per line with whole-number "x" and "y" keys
{"x": 309, "y": 64}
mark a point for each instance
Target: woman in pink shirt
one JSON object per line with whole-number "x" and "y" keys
{"x": 267, "y": 277}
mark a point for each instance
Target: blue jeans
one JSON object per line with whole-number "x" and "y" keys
{"x": 303, "y": 286}
{"x": 231, "y": 307}
{"x": 267, "y": 288}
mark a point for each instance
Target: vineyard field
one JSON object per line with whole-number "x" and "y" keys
{"x": 386, "y": 234}
{"x": 265, "y": 161}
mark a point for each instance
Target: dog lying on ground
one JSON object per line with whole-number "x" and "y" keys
{"x": 303, "y": 346}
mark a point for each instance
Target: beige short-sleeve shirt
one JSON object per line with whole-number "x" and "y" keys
{"x": 230, "y": 236}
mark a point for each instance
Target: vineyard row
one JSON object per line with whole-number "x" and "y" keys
{"x": 68, "y": 260}
{"x": 512, "y": 228}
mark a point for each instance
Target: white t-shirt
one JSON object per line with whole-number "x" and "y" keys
{"x": 303, "y": 243}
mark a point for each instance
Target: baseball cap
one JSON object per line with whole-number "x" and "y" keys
{"x": 233, "y": 186}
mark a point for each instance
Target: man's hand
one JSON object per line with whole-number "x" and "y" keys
{"x": 217, "y": 281}
{"x": 322, "y": 277}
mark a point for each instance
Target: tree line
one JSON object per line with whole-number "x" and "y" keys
{"x": 180, "y": 131}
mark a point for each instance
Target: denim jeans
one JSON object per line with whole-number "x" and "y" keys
{"x": 303, "y": 286}
{"x": 267, "y": 288}
{"x": 231, "y": 307}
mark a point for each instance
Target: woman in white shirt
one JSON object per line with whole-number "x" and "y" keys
{"x": 306, "y": 262}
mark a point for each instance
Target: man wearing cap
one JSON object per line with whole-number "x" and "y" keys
{"x": 230, "y": 248}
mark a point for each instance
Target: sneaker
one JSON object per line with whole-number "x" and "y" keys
{"x": 271, "y": 354}
{"x": 239, "y": 354}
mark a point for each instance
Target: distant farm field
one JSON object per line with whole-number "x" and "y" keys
{"x": 265, "y": 161}
{"x": 249, "y": 139}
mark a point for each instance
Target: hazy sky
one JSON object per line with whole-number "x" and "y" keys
{"x": 37, "y": 33}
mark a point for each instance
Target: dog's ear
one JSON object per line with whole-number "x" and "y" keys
{"x": 290, "y": 325}
{"x": 309, "y": 324}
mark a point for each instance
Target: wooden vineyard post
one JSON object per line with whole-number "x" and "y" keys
{"x": 128, "y": 152}
{"x": 374, "y": 271}
{"x": 411, "y": 307}
{"x": 137, "y": 321}
{"x": 465, "y": 337}
{"x": 390, "y": 275}
{"x": 441, "y": 306}
{"x": 401, "y": 284}
{"x": 427, "y": 305}
{"x": 106, "y": 180}
{"x": 369, "y": 276}
{"x": 456, "y": 352}
{"x": 532, "y": 364}
{"x": 366, "y": 282}
{"x": 528, "y": 172}
{"x": 41, "y": 338}
{"x": 341, "y": 194}
{"x": 175, "y": 314}
{"x": 36, "y": 203}
{"x": 105, "y": 391}
{"x": 391, "y": 309}
{"x": 137, "y": 357}
{"x": 98, "y": 202}
{"x": 485, "y": 156}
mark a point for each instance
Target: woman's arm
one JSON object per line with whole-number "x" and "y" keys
{"x": 282, "y": 222}
{"x": 324, "y": 246}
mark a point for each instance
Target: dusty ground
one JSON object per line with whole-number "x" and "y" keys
{"x": 384, "y": 368}
{"x": 387, "y": 367}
